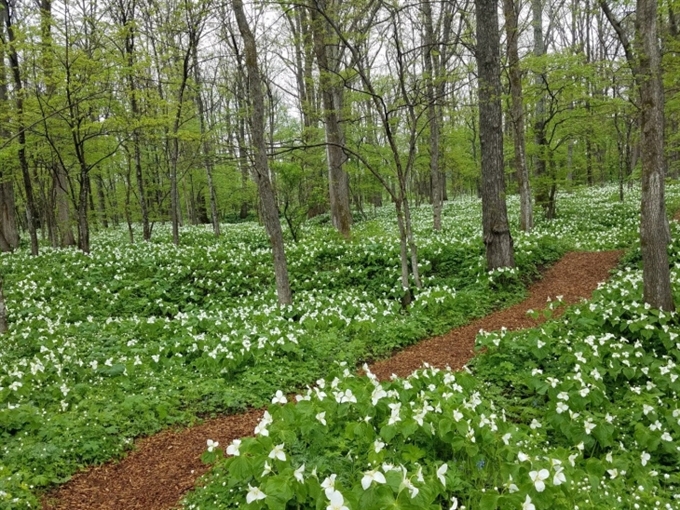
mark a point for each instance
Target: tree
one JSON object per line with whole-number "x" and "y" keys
{"x": 511, "y": 12}
{"x": 8, "y": 14}
{"x": 496, "y": 230}
{"x": 644, "y": 58}
{"x": 260, "y": 162}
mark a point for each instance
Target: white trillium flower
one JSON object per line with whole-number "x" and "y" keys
{"x": 538, "y": 478}
{"x": 298, "y": 474}
{"x": 589, "y": 426}
{"x": 441, "y": 472}
{"x": 644, "y": 458}
{"x": 267, "y": 469}
{"x": 528, "y": 505}
{"x": 322, "y": 417}
{"x": 559, "y": 477}
{"x": 454, "y": 503}
{"x": 378, "y": 445}
{"x": 522, "y": 457}
{"x": 372, "y": 476}
{"x": 212, "y": 445}
{"x": 254, "y": 494}
{"x": 232, "y": 449}
{"x": 336, "y": 500}
{"x": 329, "y": 483}
{"x": 278, "y": 453}
{"x": 666, "y": 437}
{"x": 279, "y": 398}
{"x": 535, "y": 424}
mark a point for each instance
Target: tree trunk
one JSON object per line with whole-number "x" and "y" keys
{"x": 433, "y": 117}
{"x": 21, "y": 137}
{"x": 331, "y": 95}
{"x": 8, "y": 219}
{"x": 261, "y": 165}
{"x": 645, "y": 61}
{"x": 496, "y": 231}
{"x": 526, "y": 219}
{"x": 541, "y": 157}
{"x": 206, "y": 147}
{"x": 654, "y": 232}
{"x": 66, "y": 237}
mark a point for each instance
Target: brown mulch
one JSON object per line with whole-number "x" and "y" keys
{"x": 163, "y": 467}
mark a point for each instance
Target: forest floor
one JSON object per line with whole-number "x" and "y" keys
{"x": 163, "y": 467}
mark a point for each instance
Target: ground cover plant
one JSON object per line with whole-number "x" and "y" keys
{"x": 580, "y": 413}
{"x": 133, "y": 338}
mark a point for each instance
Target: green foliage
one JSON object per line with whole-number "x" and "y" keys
{"x": 130, "y": 339}
{"x": 579, "y": 413}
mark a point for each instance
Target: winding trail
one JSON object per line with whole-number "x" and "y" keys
{"x": 163, "y": 467}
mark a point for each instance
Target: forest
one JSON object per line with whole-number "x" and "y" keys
{"x": 209, "y": 209}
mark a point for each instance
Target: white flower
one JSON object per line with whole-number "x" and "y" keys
{"x": 506, "y": 438}
{"x": 589, "y": 426}
{"x": 267, "y": 469}
{"x": 15, "y": 385}
{"x": 535, "y": 424}
{"x": 279, "y": 398}
{"x": 329, "y": 483}
{"x": 155, "y": 357}
{"x": 646, "y": 409}
{"x": 261, "y": 428}
{"x": 537, "y": 477}
{"x": 232, "y": 449}
{"x": 441, "y": 472}
{"x": 278, "y": 453}
{"x": 563, "y": 395}
{"x": 522, "y": 457}
{"x": 372, "y": 476}
{"x": 644, "y": 458}
{"x": 413, "y": 490}
{"x": 337, "y": 502}
{"x": 454, "y": 503}
{"x": 561, "y": 407}
{"x": 528, "y": 505}
{"x": 322, "y": 417}
{"x": 254, "y": 494}
{"x": 457, "y": 415}
{"x": 212, "y": 445}
{"x": 377, "y": 394}
{"x": 666, "y": 437}
{"x": 298, "y": 474}
{"x": 378, "y": 445}
{"x": 559, "y": 477}
{"x": 613, "y": 473}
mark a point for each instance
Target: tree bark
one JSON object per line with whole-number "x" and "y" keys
{"x": 496, "y": 231}
{"x": 433, "y": 117}
{"x": 511, "y": 13}
{"x": 8, "y": 219}
{"x": 644, "y": 58}
{"x": 654, "y": 232}
{"x": 206, "y": 146}
{"x": 332, "y": 95}
{"x": 21, "y": 137}
{"x": 261, "y": 165}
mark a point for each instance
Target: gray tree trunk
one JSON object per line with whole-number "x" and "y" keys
{"x": 432, "y": 114}
{"x": 332, "y": 95}
{"x": 496, "y": 231}
{"x": 206, "y": 146}
{"x": 526, "y": 219}
{"x": 270, "y": 212}
{"x": 644, "y": 58}
{"x": 21, "y": 137}
{"x": 8, "y": 219}
{"x": 654, "y": 232}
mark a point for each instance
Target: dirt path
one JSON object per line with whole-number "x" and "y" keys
{"x": 165, "y": 466}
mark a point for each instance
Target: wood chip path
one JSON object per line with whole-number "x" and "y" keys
{"x": 163, "y": 467}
